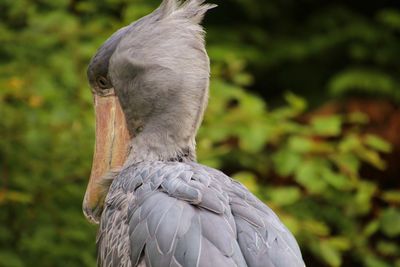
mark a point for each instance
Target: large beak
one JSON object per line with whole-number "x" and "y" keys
{"x": 111, "y": 149}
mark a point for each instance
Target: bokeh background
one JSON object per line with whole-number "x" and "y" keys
{"x": 304, "y": 110}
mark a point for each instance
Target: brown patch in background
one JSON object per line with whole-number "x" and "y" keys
{"x": 384, "y": 121}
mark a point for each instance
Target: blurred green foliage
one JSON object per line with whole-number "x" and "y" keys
{"x": 307, "y": 171}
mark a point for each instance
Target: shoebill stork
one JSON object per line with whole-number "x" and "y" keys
{"x": 155, "y": 204}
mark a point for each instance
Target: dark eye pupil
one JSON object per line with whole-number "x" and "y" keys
{"x": 103, "y": 82}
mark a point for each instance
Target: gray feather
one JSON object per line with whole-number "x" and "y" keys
{"x": 188, "y": 247}
{"x": 159, "y": 211}
{"x": 138, "y": 239}
{"x": 168, "y": 228}
{"x": 224, "y": 240}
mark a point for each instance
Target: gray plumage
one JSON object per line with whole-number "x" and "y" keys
{"x": 186, "y": 214}
{"x": 163, "y": 208}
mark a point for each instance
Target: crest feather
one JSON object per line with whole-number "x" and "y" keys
{"x": 196, "y": 9}
{"x": 168, "y": 7}
{"x": 193, "y": 10}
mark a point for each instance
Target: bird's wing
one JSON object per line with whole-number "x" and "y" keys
{"x": 263, "y": 239}
{"x": 172, "y": 215}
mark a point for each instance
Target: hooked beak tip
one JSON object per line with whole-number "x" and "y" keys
{"x": 92, "y": 214}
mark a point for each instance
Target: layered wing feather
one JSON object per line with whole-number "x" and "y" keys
{"x": 185, "y": 214}
{"x": 173, "y": 215}
{"x": 263, "y": 239}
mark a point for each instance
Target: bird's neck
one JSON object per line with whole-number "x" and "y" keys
{"x": 166, "y": 137}
{"x": 160, "y": 146}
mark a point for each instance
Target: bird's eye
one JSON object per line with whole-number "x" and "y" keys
{"x": 103, "y": 82}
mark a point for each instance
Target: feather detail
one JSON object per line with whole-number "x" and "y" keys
{"x": 222, "y": 224}
{"x": 168, "y": 7}
{"x": 195, "y": 10}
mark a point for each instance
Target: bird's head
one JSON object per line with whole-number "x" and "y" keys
{"x": 150, "y": 86}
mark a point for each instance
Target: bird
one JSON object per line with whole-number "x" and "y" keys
{"x": 156, "y": 206}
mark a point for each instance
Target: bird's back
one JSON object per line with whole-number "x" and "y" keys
{"x": 186, "y": 214}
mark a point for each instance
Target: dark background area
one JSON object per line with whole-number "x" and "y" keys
{"x": 304, "y": 110}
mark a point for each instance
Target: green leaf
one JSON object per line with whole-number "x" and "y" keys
{"x": 300, "y": 144}
{"x": 357, "y": 118}
{"x": 285, "y": 195}
{"x": 327, "y": 125}
{"x": 286, "y": 161}
{"x": 388, "y": 248}
{"x": 350, "y": 143}
{"x": 372, "y": 157}
{"x": 309, "y": 175}
{"x": 392, "y": 196}
{"x": 368, "y": 81}
{"x": 390, "y": 222}
{"x": 10, "y": 259}
{"x": 373, "y": 261}
{"x": 362, "y": 200}
{"x": 371, "y": 228}
{"x": 14, "y": 196}
{"x": 296, "y": 102}
{"x": 341, "y": 243}
{"x": 348, "y": 163}
{"x": 253, "y": 139}
{"x": 390, "y": 17}
{"x": 330, "y": 255}
{"x": 377, "y": 143}
{"x": 318, "y": 228}
{"x": 337, "y": 180}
